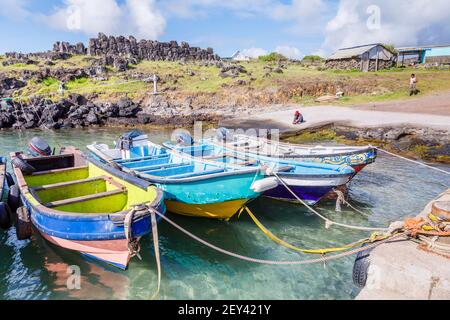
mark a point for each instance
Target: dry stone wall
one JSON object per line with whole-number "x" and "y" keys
{"x": 148, "y": 49}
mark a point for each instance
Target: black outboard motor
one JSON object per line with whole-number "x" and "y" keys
{"x": 129, "y": 139}
{"x": 223, "y": 135}
{"x": 38, "y": 147}
{"x": 184, "y": 139}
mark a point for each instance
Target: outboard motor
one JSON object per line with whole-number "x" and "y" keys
{"x": 184, "y": 139}
{"x": 223, "y": 135}
{"x": 133, "y": 144}
{"x": 38, "y": 147}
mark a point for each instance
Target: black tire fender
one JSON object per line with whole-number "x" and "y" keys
{"x": 23, "y": 224}
{"x": 361, "y": 268}
{"x": 5, "y": 216}
{"x": 25, "y": 167}
{"x": 9, "y": 179}
{"x": 14, "y": 201}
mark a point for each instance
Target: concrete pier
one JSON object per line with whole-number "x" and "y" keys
{"x": 408, "y": 271}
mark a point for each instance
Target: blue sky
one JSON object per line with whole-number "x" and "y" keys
{"x": 292, "y": 27}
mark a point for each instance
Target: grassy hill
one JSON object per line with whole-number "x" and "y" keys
{"x": 271, "y": 82}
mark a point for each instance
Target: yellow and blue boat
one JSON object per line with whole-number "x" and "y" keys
{"x": 83, "y": 205}
{"x": 192, "y": 187}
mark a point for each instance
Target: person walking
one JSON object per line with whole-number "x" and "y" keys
{"x": 413, "y": 85}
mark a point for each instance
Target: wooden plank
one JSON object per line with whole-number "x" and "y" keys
{"x": 83, "y": 198}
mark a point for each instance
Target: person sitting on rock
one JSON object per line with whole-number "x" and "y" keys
{"x": 298, "y": 118}
{"x": 413, "y": 85}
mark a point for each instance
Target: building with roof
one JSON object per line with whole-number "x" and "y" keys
{"x": 436, "y": 55}
{"x": 239, "y": 56}
{"x": 372, "y": 57}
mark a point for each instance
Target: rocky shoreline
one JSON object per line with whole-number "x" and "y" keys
{"x": 419, "y": 143}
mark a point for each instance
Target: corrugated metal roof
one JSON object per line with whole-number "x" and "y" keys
{"x": 351, "y": 52}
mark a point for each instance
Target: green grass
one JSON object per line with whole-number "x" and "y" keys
{"x": 378, "y": 86}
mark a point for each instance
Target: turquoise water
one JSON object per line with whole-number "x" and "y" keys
{"x": 388, "y": 190}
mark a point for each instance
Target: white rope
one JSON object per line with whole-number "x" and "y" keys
{"x": 156, "y": 248}
{"x": 323, "y": 259}
{"x": 413, "y": 161}
{"x": 328, "y": 222}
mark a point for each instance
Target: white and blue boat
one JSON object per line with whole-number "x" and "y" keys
{"x": 308, "y": 181}
{"x": 192, "y": 187}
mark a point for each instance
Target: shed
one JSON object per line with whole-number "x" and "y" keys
{"x": 372, "y": 57}
{"x": 435, "y": 54}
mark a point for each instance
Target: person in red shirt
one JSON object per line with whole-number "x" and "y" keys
{"x": 298, "y": 118}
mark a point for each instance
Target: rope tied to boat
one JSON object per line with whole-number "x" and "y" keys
{"x": 342, "y": 201}
{"x": 319, "y": 260}
{"x": 328, "y": 222}
{"x": 133, "y": 244}
{"x": 373, "y": 238}
{"x": 413, "y": 161}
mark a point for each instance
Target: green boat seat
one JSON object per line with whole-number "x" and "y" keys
{"x": 87, "y": 201}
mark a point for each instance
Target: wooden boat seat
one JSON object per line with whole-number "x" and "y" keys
{"x": 96, "y": 196}
{"x": 58, "y": 170}
{"x": 141, "y": 159}
{"x": 181, "y": 169}
{"x": 69, "y": 183}
{"x": 159, "y": 166}
{"x": 195, "y": 174}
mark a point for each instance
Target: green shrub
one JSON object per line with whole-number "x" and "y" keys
{"x": 273, "y": 57}
{"x": 313, "y": 58}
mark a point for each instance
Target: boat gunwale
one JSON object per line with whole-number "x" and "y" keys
{"x": 42, "y": 209}
{"x": 239, "y": 170}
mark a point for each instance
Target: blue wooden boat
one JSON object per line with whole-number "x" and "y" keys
{"x": 192, "y": 187}
{"x": 84, "y": 205}
{"x": 308, "y": 181}
{"x": 356, "y": 156}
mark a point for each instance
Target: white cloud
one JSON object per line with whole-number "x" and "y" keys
{"x": 402, "y": 22}
{"x": 14, "y": 9}
{"x": 290, "y": 52}
{"x": 137, "y": 17}
{"x": 254, "y": 52}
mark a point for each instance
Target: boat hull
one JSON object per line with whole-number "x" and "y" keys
{"x": 85, "y": 223}
{"x": 357, "y": 160}
{"x": 114, "y": 252}
{"x": 222, "y": 210}
{"x": 311, "y": 190}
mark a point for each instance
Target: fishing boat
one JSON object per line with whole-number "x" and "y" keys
{"x": 5, "y": 212}
{"x": 357, "y": 157}
{"x": 293, "y": 179}
{"x": 193, "y": 187}
{"x": 83, "y": 205}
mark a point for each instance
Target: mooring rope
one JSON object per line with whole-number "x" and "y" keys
{"x": 328, "y": 222}
{"x": 308, "y": 251}
{"x": 413, "y": 161}
{"x": 156, "y": 248}
{"x": 322, "y": 259}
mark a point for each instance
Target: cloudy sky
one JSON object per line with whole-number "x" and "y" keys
{"x": 291, "y": 27}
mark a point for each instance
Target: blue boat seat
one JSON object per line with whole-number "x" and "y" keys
{"x": 144, "y": 163}
{"x": 141, "y": 159}
{"x": 159, "y": 166}
{"x": 196, "y": 174}
{"x": 181, "y": 169}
